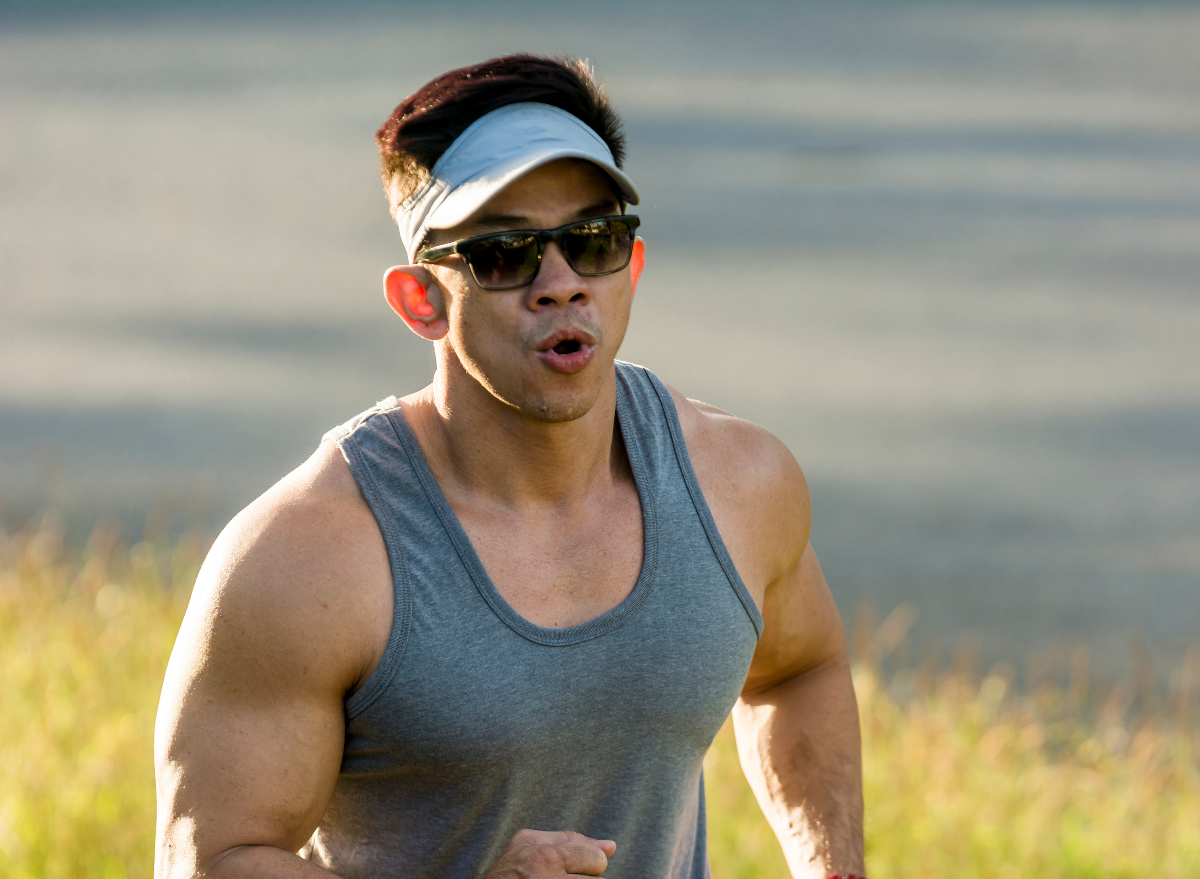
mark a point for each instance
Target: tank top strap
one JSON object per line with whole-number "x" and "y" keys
{"x": 386, "y": 475}
{"x": 650, "y": 422}
{"x": 644, "y": 423}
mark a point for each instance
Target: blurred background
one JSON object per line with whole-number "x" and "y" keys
{"x": 948, "y": 252}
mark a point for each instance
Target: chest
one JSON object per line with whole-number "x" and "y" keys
{"x": 562, "y": 566}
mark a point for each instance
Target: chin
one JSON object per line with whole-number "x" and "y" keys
{"x": 539, "y": 395}
{"x": 558, "y": 409}
{"x": 550, "y": 402}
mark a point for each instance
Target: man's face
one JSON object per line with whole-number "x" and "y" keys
{"x": 547, "y": 348}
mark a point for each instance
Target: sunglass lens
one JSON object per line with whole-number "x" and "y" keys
{"x": 504, "y": 261}
{"x": 598, "y": 246}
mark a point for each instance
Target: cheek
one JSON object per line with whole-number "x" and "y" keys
{"x": 481, "y": 329}
{"x": 616, "y": 313}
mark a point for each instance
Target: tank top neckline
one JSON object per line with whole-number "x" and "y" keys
{"x": 551, "y": 637}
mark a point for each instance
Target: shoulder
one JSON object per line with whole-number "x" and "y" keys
{"x": 301, "y": 574}
{"x": 290, "y": 609}
{"x": 754, "y": 486}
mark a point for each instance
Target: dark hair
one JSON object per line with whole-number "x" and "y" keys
{"x": 425, "y": 124}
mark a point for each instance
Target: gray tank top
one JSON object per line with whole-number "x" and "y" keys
{"x": 478, "y": 723}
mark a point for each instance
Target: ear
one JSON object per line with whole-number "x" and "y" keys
{"x": 637, "y": 262}
{"x": 413, "y": 294}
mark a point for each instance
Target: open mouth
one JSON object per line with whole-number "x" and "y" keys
{"x": 568, "y": 350}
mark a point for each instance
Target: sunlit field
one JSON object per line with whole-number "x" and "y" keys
{"x": 963, "y": 777}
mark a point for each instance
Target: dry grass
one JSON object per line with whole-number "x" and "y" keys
{"x": 962, "y": 778}
{"x": 968, "y": 779}
{"x": 83, "y": 647}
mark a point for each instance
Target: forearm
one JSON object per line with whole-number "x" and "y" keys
{"x": 801, "y": 751}
{"x": 256, "y": 862}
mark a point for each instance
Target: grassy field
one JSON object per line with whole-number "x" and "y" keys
{"x": 963, "y": 777}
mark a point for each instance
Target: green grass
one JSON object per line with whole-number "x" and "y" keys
{"x": 962, "y": 778}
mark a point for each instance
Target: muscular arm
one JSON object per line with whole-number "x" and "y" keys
{"x": 797, "y": 727}
{"x": 250, "y": 726}
{"x": 797, "y": 719}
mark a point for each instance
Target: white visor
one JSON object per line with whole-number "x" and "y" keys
{"x": 494, "y": 151}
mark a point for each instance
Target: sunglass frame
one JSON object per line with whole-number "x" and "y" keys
{"x": 542, "y": 236}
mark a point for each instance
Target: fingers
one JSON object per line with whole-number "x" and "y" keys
{"x": 607, "y": 846}
{"x": 555, "y": 853}
{"x": 581, "y": 858}
{"x": 561, "y": 837}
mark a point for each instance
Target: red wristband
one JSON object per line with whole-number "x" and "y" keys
{"x": 844, "y": 876}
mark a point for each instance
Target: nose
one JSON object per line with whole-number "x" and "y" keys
{"x": 557, "y": 283}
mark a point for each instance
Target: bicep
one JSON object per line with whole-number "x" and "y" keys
{"x": 801, "y": 626}
{"x": 250, "y": 728}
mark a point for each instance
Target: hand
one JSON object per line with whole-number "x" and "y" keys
{"x": 548, "y": 854}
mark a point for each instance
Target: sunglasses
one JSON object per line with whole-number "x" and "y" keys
{"x": 504, "y": 260}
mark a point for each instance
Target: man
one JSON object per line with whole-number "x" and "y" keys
{"x": 491, "y": 628}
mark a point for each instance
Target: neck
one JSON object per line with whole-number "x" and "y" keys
{"x": 480, "y": 446}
